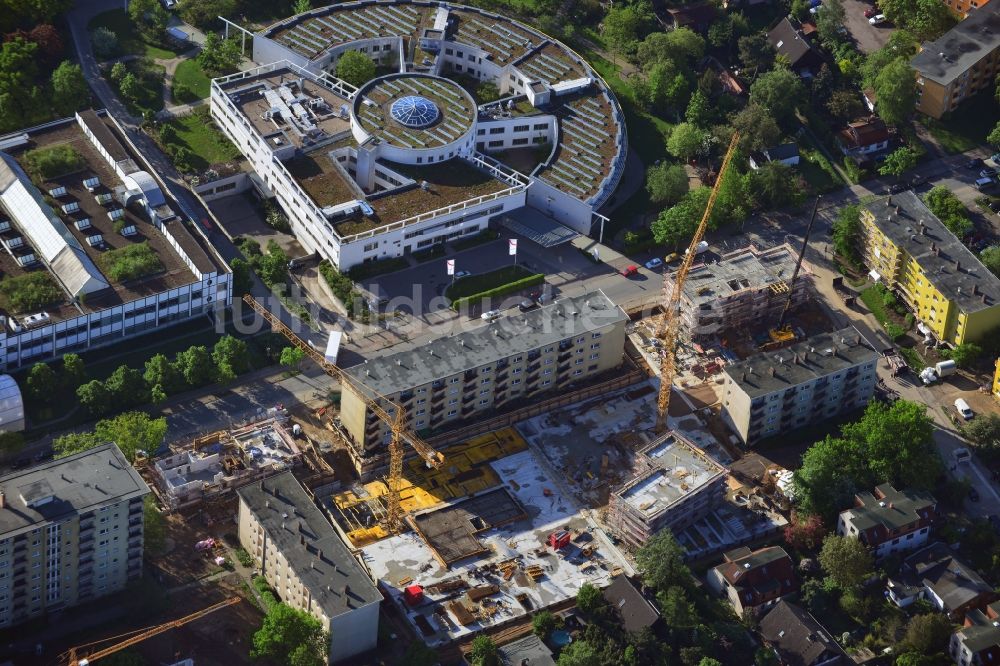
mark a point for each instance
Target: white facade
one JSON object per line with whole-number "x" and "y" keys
{"x": 898, "y": 544}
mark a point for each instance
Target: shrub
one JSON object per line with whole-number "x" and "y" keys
{"x": 104, "y": 42}
{"x": 267, "y": 595}
{"x": 31, "y": 291}
{"x": 343, "y": 289}
{"x": 49, "y": 163}
{"x": 894, "y": 331}
{"x": 503, "y": 290}
{"x": 131, "y": 262}
{"x": 243, "y": 557}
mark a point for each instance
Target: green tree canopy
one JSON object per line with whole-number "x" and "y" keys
{"x": 901, "y": 44}
{"x": 924, "y": 19}
{"x": 685, "y": 141}
{"x": 204, "y": 14}
{"x": 580, "y": 653}
{"x": 625, "y": 24}
{"x": 829, "y": 20}
{"x": 219, "y": 56}
{"x": 161, "y": 372}
{"x": 661, "y": 562}
{"x": 292, "y": 356}
{"x": 483, "y": 652}
{"x": 895, "y": 88}
{"x": 899, "y": 161}
{"x": 127, "y": 386}
{"x": 666, "y": 183}
{"x": 231, "y": 357}
{"x": 984, "y": 431}
{"x": 846, "y": 561}
{"x": 757, "y": 127}
{"x": 949, "y": 209}
{"x": 42, "y": 382}
{"x": 964, "y": 355}
{"x": 756, "y": 52}
{"x": 356, "y": 68}
{"x": 196, "y": 366}
{"x": 74, "y": 372}
{"x": 780, "y": 91}
{"x": 676, "y": 225}
{"x": 69, "y": 88}
{"x": 589, "y": 600}
{"x": 846, "y": 233}
{"x": 775, "y": 185}
{"x": 927, "y": 633}
{"x": 291, "y": 637}
{"x": 94, "y": 397}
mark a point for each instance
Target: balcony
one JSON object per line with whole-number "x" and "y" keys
{"x": 564, "y": 357}
{"x": 437, "y": 385}
{"x": 135, "y": 532}
{"x": 534, "y": 367}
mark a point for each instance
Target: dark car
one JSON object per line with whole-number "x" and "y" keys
{"x": 527, "y": 304}
{"x": 895, "y": 188}
{"x": 973, "y": 494}
{"x": 995, "y": 206}
{"x": 974, "y": 163}
{"x": 918, "y": 180}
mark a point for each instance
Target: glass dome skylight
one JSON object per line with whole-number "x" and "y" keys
{"x": 414, "y": 111}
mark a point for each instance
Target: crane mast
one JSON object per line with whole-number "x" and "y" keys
{"x": 669, "y": 329}
{"x": 374, "y": 401}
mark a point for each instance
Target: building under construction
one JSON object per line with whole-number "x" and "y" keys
{"x": 747, "y": 287}
{"x": 675, "y": 483}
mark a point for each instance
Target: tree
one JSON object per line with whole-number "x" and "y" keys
{"x": 118, "y": 72}
{"x": 290, "y": 636}
{"x": 984, "y": 431}
{"x": 699, "y": 111}
{"x": 964, "y": 355}
{"x": 10, "y": 443}
{"x": 949, "y": 209}
{"x": 231, "y": 357}
{"x": 74, "y": 442}
{"x": 242, "y": 276}
{"x": 685, "y": 141}
{"x": 132, "y": 432}
{"x": 684, "y": 46}
{"x": 74, "y": 372}
{"x": 580, "y": 653}
{"x": 154, "y": 529}
{"x": 829, "y": 20}
{"x": 678, "y": 611}
{"x": 543, "y": 623}
{"x": 779, "y": 91}
{"x": 926, "y": 20}
{"x": 302, "y": 6}
{"x": 272, "y": 266}
{"x": 895, "y": 88}
{"x": 126, "y": 386}
{"x": 677, "y": 224}
{"x": 846, "y": 232}
{"x": 483, "y": 652}
{"x": 901, "y": 44}
{"x": 899, "y": 161}
{"x": 69, "y": 88}
{"x": 775, "y": 185}
{"x": 18, "y": 94}
{"x": 150, "y": 17}
{"x": 487, "y": 92}
{"x": 292, "y": 356}
{"x": 757, "y": 127}
{"x": 355, "y": 68}
{"x": 666, "y": 183}
{"x": 196, "y": 366}
{"x": 624, "y": 25}
{"x": 164, "y": 374}
{"x": 804, "y": 532}
{"x": 104, "y": 43}
{"x": 927, "y": 634}
{"x": 915, "y": 659}
{"x": 205, "y": 14}
{"x": 709, "y": 661}
{"x": 129, "y": 87}
{"x": 897, "y": 444}
{"x": 756, "y": 52}
{"x": 219, "y": 56}
{"x": 42, "y": 382}
{"x": 991, "y": 259}
{"x": 661, "y": 562}
{"x": 665, "y": 87}
{"x": 846, "y": 561}
{"x": 994, "y": 136}
{"x": 94, "y": 397}
{"x": 844, "y": 104}
{"x": 589, "y": 600}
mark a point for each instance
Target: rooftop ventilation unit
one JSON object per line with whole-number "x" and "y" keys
{"x": 116, "y": 213}
{"x": 82, "y": 224}
{"x": 92, "y": 183}
{"x": 4, "y": 226}
{"x": 57, "y": 191}
{"x": 130, "y": 230}
{"x": 71, "y": 207}
{"x": 27, "y": 259}
{"x": 104, "y": 198}
{"x": 95, "y": 241}
{"x": 35, "y": 320}
{"x": 16, "y": 241}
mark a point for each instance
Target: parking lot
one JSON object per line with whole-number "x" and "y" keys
{"x": 868, "y": 37}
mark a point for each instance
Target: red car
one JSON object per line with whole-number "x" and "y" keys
{"x": 870, "y": 12}
{"x": 630, "y": 270}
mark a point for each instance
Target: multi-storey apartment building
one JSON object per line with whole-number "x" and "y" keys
{"x": 78, "y": 228}
{"x": 963, "y": 7}
{"x": 745, "y": 286}
{"x": 889, "y": 521}
{"x": 675, "y": 484}
{"x": 465, "y": 376}
{"x": 814, "y": 379}
{"x": 404, "y": 163}
{"x": 963, "y": 61}
{"x": 304, "y": 559}
{"x": 977, "y": 643}
{"x": 940, "y": 279}
{"x": 70, "y": 531}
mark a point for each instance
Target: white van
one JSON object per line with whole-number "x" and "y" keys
{"x": 962, "y": 407}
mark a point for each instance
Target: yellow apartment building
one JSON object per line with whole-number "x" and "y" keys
{"x": 996, "y": 379}
{"x": 963, "y": 7}
{"x": 963, "y": 61}
{"x": 909, "y": 249}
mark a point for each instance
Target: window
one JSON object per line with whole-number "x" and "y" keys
{"x": 546, "y": 382}
{"x": 521, "y": 128}
{"x": 515, "y": 382}
{"x": 594, "y": 356}
{"x": 548, "y": 371}
{"x": 421, "y": 412}
{"x": 452, "y": 412}
{"x": 496, "y": 130}
{"x": 485, "y": 391}
{"x": 420, "y": 423}
{"x": 484, "y": 401}
{"x": 486, "y": 380}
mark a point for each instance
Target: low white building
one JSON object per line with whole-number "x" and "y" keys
{"x": 889, "y": 521}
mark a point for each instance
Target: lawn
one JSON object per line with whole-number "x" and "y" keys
{"x": 148, "y": 92}
{"x": 190, "y": 83}
{"x": 966, "y": 127}
{"x": 478, "y": 284}
{"x": 130, "y": 42}
{"x": 198, "y": 133}
{"x": 872, "y": 297}
{"x": 818, "y": 171}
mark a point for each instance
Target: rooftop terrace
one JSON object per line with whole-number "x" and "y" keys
{"x": 748, "y": 268}
{"x": 586, "y": 147}
{"x": 504, "y": 40}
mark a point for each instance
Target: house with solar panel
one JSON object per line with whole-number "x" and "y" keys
{"x": 412, "y": 159}
{"x": 92, "y": 248}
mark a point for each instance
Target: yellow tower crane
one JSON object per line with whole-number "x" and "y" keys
{"x": 373, "y": 401}
{"x": 668, "y": 330}
{"x": 72, "y": 656}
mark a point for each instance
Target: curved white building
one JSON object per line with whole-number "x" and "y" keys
{"x": 11, "y": 405}
{"x": 345, "y": 163}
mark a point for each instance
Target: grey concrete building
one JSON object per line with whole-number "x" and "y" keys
{"x": 745, "y": 286}
{"x": 466, "y": 376}
{"x": 307, "y": 562}
{"x": 70, "y": 531}
{"x": 675, "y": 484}
{"x": 815, "y": 379}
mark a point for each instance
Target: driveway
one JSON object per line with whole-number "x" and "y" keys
{"x": 868, "y": 37}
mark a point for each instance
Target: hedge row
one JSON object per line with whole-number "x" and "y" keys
{"x": 503, "y": 290}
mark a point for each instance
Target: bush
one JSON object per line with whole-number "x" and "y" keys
{"x": 377, "y": 267}
{"x": 243, "y": 557}
{"x": 131, "y": 262}
{"x": 343, "y": 289}
{"x": 31, "y": 291}
{"x": 894, "y": 331}
{"x": 104, "y": 42}
{"x": 49, "y": 163}
{"x": 267, "y": 595}
{"x": 503, "y": 290}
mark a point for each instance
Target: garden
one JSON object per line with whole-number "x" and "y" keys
{"x": 501, "y": 282}
{"x": 194, "y": 142}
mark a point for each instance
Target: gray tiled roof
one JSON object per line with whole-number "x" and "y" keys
{"x": 952, "y": 54}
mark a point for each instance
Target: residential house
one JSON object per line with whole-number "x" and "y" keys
{"x": 935, "y": 574}
{"x": 863, "y": 138}
{"x": 977, "y": 643}
{"x": 635, "y": 611}
{"x": 798, "y": 639}
{"x": 790, "y": 43}
{"x": 960, "y": 63}
{"x": 786, "y": 153}
{"x": 889, "y": 521}
{"x": 754, "y": 580}
{"x": 527, "y": 651}
{"x": 696, "y": 17}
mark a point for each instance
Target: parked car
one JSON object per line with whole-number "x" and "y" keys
{"x": 878, "y": 19}
{"x": 995, "y": 206}
{"x": 630, "y": 270}
{"x": 984, "y": 183}
{"x": 654, "y": 263}
{"x": 490, "y": 315}
{"x": 672, "y": 257}
{"x": 962, "y": 407}
{"x": 895, "y": 188}
{"x": 870, "y": 12}
{"x": 527, "y": 304}
{"x": 973, "y": 494}
{"x": 974, "y": 163}
{"x": 461, "y": 274}
{"x": 988, "y": 172}
{"x": 918, "y": 180}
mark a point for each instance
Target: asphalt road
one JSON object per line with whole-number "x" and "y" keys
{"x": 867, "y": 37}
